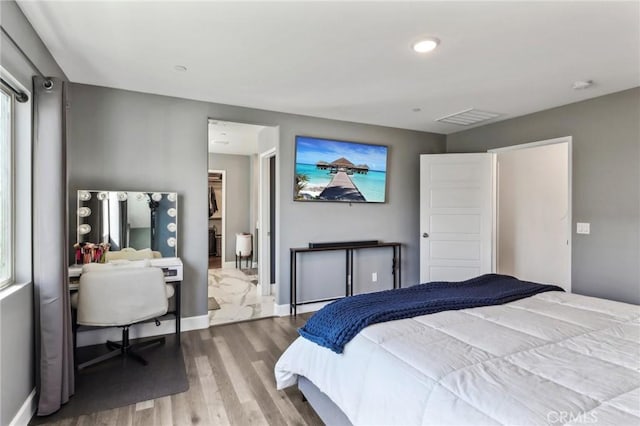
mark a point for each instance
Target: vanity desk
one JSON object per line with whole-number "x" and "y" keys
{"x": 172, "y": 269}
{"x": 129, "y": 220}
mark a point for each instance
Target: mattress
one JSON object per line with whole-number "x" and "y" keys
{"x": 553, "y": 358}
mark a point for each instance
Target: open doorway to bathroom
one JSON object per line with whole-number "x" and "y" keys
{"x": 237, "y": 186}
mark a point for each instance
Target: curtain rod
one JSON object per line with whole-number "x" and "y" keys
{"x": 20, "y": 95}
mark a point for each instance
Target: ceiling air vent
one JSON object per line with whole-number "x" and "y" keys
{"x": 468, "y": 117}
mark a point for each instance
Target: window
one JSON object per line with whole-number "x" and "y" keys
{"x": 6, "y": 187}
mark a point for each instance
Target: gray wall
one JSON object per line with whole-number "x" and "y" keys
{"x": 606, "y": 183}
{"x": 17, "y": 373}
{"x": 17, "y": 377}
{"x": 127, "y": 141}
{"x": 122, "y": 139}
{"x": 237, "y": 198}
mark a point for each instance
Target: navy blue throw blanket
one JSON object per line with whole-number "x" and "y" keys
{"x": 337, "y": 323}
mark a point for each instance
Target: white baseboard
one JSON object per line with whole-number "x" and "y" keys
{"x": 101, "y": 335}
{"x": 26, "y": 412}
{"x": 229, "y": 265}
{"x": 283, "y": 310}
{"x": 272, "y": 290}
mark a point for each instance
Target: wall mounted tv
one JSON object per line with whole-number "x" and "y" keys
{"x": 332, "y": 170}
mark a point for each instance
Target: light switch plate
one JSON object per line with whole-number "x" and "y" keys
{"x": 583, "y": 228}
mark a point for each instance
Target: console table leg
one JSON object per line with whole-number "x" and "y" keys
{"x": 393, "y": 267}
{"x": 347, "y": 267}
{"x": 399, "y": 266}
{"x": 350, "y": 272}
{"x": 292, "y": 284}
{"x": 178, "y": 291}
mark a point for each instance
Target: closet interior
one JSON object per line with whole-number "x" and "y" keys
{"x": 215, "y": 220}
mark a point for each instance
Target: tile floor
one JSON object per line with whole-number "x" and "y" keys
{"x": 237, "y": 296}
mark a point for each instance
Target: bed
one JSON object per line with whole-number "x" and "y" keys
{"x": 552, "y": 358}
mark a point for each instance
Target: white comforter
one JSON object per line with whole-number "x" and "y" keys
{"x": 554, "y": 358}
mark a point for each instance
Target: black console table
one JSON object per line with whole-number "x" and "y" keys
{"x": 348, "y": 249}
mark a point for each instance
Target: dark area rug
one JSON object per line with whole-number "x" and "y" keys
{"x": 252, "y": 275}
{"x": 213, "y": 304}
{"x": 123, "y": 381}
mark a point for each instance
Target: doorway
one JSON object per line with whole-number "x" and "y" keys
{"x": 267, "y": 223}
{"x": 507, "y": 211}
{"x": 216, "y": 194}
{"x": 533, "y": 211}
{"x": 237, "y": 152}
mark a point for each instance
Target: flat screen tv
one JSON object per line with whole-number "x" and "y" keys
{"x": 332, "y": 170}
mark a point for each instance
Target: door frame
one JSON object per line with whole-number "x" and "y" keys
{"x": 565, "y": 139}
{"x": 223, "y": 225}
{"x": 264, "y": 251}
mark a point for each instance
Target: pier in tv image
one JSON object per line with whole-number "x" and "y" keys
{"x": 331, "y": 170}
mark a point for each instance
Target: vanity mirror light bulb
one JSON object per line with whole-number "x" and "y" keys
{"x": 84, "y": 229}
{"x": 84, "y": 212}
{"x": 172, "y": 212}
{"x": 84, "y": 195}
{"x": 171, "y": 197}
{"x": 171, "y": 242}
{"x": 156, "y": 196}
{"x": 122, "y": 196}
{"x": 171, "y": 227}
{"x": 102, "y": 195}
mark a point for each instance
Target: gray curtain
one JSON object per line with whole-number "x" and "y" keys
{"x": 54, "y": 339}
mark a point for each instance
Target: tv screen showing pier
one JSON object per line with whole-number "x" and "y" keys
{"x": 331, "y": 170}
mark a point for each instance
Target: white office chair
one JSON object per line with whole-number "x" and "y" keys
{"x": 121, "y": 296}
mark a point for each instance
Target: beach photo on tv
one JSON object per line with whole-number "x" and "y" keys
{"x": 332, "y": 170}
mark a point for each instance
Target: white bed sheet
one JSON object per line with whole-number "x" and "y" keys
{"x": 554, "y": 358}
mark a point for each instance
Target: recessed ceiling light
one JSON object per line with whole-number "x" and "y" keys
{"x": 180, "y": 68}
{"x": 426, "y": 45}
{"x": 579, "y": 85}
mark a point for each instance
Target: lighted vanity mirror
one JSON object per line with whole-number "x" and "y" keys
{"x": 138, "y": 220}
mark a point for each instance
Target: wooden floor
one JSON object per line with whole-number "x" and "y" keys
{"x": 215, "y": 262}
{"x": 231, "y": 382}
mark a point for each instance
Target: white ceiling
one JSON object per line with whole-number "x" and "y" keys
{"x": 226, "y": 137}
{"x": 350, "y": 60}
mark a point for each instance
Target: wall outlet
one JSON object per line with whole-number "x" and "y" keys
{"x": 583, "y": 228}
{"x": 374, "y": 277}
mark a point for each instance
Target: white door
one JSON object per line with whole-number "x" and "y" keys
{"x": 456, "y": 216}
